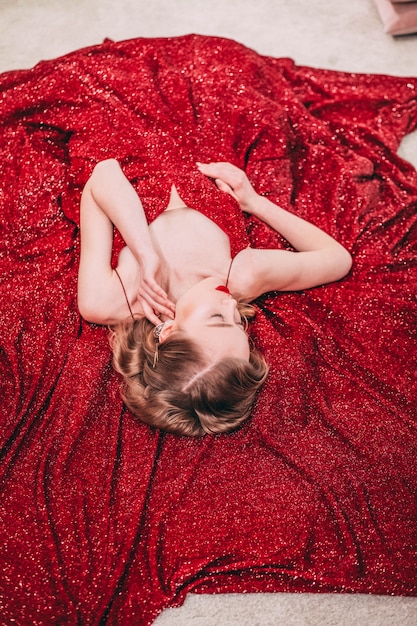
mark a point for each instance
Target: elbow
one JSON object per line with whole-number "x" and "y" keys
{"x": 87, "y": 312}
{"x": 92, "y": 316}
{"x": 348, "y": 262}
{"x": 344, "y": 264}
{"x": 88, "y": 309}
{"x": 102, "y": 168}
{"x": 95, "y": 309}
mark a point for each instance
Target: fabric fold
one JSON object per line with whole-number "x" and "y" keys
{"x": 104, "y": 521}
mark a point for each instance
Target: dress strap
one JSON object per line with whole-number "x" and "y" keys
{"x": 228, "y": 273}
{"x": 124, "y": 291}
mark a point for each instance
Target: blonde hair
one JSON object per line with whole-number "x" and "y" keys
{"x": 180, "y": 393}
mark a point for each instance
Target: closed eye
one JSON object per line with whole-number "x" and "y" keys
{"x": 222, "y": 319}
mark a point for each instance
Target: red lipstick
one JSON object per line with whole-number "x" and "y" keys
{"x": 223, "y": 288}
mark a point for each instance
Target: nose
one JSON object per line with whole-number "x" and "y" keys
{"x": 230, "y": 308}
{"x": 230, "y": 300}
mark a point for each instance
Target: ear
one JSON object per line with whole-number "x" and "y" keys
{"x": 166, "y": 330}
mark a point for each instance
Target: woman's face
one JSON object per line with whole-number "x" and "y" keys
{"x": 211, "y": 318}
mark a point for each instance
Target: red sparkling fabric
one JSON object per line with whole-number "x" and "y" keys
{"x": 104, "y": 520}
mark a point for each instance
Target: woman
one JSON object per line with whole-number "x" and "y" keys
{"x": 178, "y": 337}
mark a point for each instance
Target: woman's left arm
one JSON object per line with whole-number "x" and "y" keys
{"x": 109, "y": 199}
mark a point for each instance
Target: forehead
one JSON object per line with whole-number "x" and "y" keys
{"x": 220, "y": 341}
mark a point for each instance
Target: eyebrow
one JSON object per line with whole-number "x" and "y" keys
{"x": 225, "y": 325}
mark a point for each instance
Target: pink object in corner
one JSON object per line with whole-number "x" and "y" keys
{"x": 399, "y": 17}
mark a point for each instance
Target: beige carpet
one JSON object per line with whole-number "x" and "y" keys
{"x": 323, "y": 33}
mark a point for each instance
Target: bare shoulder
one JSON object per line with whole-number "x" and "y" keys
{"x": 258, "y": 271}
{"x": 244, "y": 274}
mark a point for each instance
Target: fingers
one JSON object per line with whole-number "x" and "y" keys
{"x": 155, "y": 294}
{"x": 155, "y": 302}
{"x": 150, "y": 314}
{"x": 222, "y": 185}
{"x": 157, "y": 308}
{"x": 227, "y": 177}
{"x": 221, "y": 169}
{"x": 153, "y": 311}
{"x": 226, "y": 188}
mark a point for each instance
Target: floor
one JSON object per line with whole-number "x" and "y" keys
{"x": 339, "y": 35}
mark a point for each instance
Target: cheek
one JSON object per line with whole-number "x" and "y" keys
{"x": 182, "y": 312}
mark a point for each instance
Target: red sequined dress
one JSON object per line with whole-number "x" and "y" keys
{"x": 104, "y": 520}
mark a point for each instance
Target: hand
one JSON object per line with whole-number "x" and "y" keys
{"x": 232, "y": 181}
{"x": 152, "y": 298}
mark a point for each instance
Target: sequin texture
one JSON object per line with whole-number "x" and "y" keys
{"x": 106, "y": 521}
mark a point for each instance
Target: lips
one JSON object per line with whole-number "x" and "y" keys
{"x": 223, "y": 288}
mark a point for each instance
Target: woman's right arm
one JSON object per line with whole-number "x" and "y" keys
{"x": 109, "y": 199}
{"x": 318, "y": 258}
